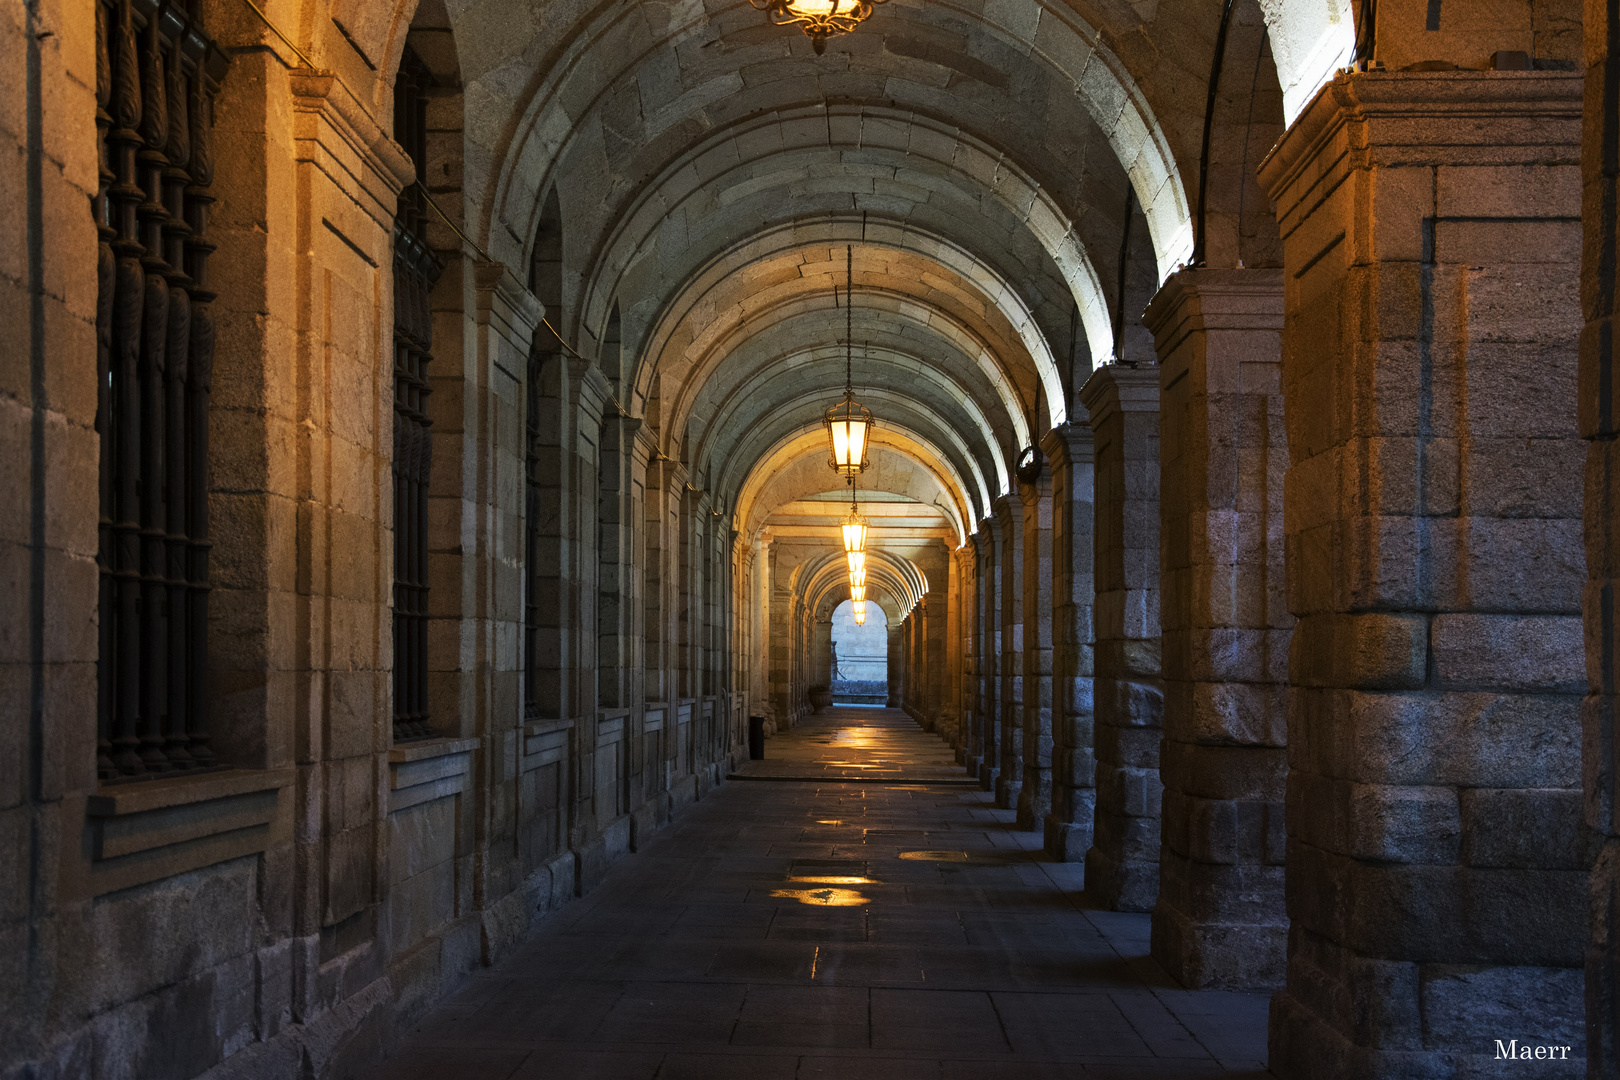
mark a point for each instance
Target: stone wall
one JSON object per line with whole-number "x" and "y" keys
{"x": 1600, "y": 739}
{"x": 285, "y": 913}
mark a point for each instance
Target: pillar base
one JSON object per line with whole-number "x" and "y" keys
{"x": 1066, "y": 841}
{"x": 1419, "y": 1021}
{"x": 1216, "y": 956}
{"x": 988, "y": 775}
{"x": 1123, "y": 885}
{"x": 1007, "y": 793}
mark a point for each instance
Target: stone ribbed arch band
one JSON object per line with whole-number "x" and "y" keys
{"x": 416, "y": 271}
{"x": 156, "y": 77}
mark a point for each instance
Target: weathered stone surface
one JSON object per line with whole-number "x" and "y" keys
{"x": 1122, "y": 865}
{"x": 1432, "y": 666}
{"x": 1069, "y": 827}
{"x": 1220, "y": 919}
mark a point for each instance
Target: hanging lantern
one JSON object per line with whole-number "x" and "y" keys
{"x": 860, "y": 613}
{"x": 857, "y": 578}
{"x": 820, "y": 19}
{"x": 857, "y": 594}
{"x": 854, "y": 532}
{"x": 857, "y": 564}
{"x": 849, "y": 423}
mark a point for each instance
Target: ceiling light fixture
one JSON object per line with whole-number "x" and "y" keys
{"x": 849, "y": 423}
{"x": 819, "y": 19}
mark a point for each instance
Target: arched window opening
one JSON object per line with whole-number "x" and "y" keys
{"x": 860, "y": 656}
{"x": 416, "y": 270}
{"x": 156, "y": 80}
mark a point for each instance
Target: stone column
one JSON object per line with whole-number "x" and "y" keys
{"x": 973, "y": 753}
{"x": 896, "y": 666}
{"x": 1009, "y": 527}
{"x": 1220, "y": 919}
{"x": 666, "y": 480}
{"x": 1074, "y": 764}
{"x": 1122, "y": 867}
{"x": 990, "y": 665}
{"x": 950, "y": 673}
{"x": 967, "y": 628}
{"x": 1437, "y": 864}
{"x": 1597, "y": 417}
{"x": 1035, "y": 800}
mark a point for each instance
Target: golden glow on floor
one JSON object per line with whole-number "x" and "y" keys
{"x": 823, "y": 897}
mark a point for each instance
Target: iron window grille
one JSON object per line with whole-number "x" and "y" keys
{"x": 157, "y": 75}
{"x": 416, "y": 271}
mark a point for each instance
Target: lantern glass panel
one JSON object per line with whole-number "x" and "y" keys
{"x": 854, "y": 534}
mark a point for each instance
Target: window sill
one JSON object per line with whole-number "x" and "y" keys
{"x": 420, "y": 772}
{"x": 138, "y": 798}
{"x": 424, "y": 749}
{"x": 139, "y": 833}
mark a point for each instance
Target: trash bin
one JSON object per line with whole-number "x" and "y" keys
{"x": 756, "y": 738}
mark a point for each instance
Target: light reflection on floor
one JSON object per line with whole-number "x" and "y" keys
{"x": 823, "y": 897}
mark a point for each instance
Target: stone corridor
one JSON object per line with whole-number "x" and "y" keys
{"x": 799, "y": 930}
{"x": 439, "y": 435}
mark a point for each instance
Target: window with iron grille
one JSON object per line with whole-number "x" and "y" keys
{"x": 542, "y": 583}
{"x": 157, "y": 74}
{"x": 416, "y": 270}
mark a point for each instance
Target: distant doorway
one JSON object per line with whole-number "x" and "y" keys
{"x": 860, "y": 656}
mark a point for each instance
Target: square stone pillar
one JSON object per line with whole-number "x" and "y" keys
{"x": 1220, "y": 918}
{"x": 1437, "y": 863}
{"x": 966, "y": 625}
{"x": 1600, "y": 291}
{"x": 1074, "y": 764}
{"x": 1122, "y": 867}
{"x": 1035, "y": 800}
{"x": 1009, "y": 527}
{"x": 896, "y": 687}
{"x": 933, "y": 648}
{"x": 990, "y": 653}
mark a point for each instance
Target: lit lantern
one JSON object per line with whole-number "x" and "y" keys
{"x": 857, "y": 564}
{"x": 849, "y": 423}
{"x": 854, "y": 531}
{"x": 860, "y": 613}
{"x": 857, "y": 594}
{"x": 857, "y": 578}
{"x": 820, "y": 19}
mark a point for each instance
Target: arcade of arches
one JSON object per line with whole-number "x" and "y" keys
{"x": 417, "y": 481}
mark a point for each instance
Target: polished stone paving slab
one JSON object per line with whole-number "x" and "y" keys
{"x": 853, "y": 742}
{"x": 799, "y": 930}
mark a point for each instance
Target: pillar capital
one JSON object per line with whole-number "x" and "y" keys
{"x": 1120, "y": 388}
{"x": 1194, "y": 301}
{"x": 1068, "y": 444}
{"x": 505, "y": 305}
{"x": 1383, "y": 119}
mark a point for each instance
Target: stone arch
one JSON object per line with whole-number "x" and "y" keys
{"x": 806, "y": 450}
{"x": 1050, "y": 39}
{"x": 968, "y": 301}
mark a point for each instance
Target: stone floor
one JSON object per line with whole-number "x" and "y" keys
{"x": 796, "y": 930}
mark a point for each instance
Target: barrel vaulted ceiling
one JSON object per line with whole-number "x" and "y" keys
{"x": 1013, "y": 176}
